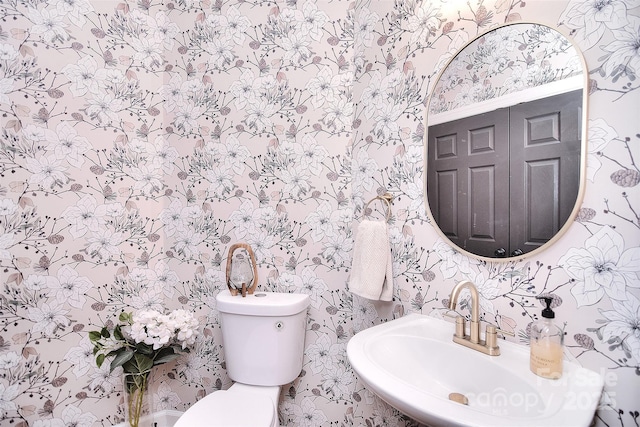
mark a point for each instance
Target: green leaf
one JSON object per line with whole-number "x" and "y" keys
{"x": 145, "y": 349}
{"x": 95, "y": 336}
{"x": 104, "y": 332}
{"x": 138, "y": 364}
{"x": 125, "y": 317}
{"x": 165, "y": 355}
{"x": 122, "y": 356}
{"x": 99, "y": 360}
{"x": 117, "y": 333}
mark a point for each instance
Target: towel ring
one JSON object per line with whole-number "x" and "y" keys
{"x": 386, "y": 198}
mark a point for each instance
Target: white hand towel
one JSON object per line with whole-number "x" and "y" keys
{"x": 371, "y": 268}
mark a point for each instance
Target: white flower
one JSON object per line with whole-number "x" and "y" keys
{"x": 7, "y": 394}
{"x": 591, "y": 18}
{"x": 336, "y": 381}
{"x": 364, "y": 26}
{"x": 75, "y": 10}
{"x": 364, "y": 168}
{"x": 296, "y": 181}
{"x": 70, "y": 287}
{"x": 323, "y": 87}
{"x": 47, "y": 171}
{"x": 232, "y": 25}
{"x": 220, "y": 179}
{"x": 186, "y": 118}
{"x": 323, "y": 354}
{"x": 8, "y": 52}
{"x": 104, "y": 244}
{"x": 232, "y": 154}
{"x": 85, "y": 76}
{"x": 6, "y": 242}
{"x": 185, "y": 325}
{"x": 187, "y": 243}
{"x": 321, "y": 222}
{"x": 624, "y": 50}
{"x": 104, "y": 108}
{"x": 602, "y": 266}
{"x": 364, "y": 313}
{"x": 9, "y": 360}
{"x": 387, "y": 120}
{"x": 453, "y": 262}
{"x": 622, "y": 323}
{"x": 313, "y": 20}
{"x": 220, "y": 52}
{"x": 307, "y": 415}
{"x": 165, "y": 398}
{"x": 296, "y": 47}
{"x": 245, "y": 220}
{"x": 48, "y": 318}
{"x": 244, "y": 90}
{"x": 163, "y": 154}
{"x": 6, "y": 87}
{"x": 166, "y": 279}
{"x": 67, "y": 144}
{"x": 259, "y": 115}
{"x": 339, "y": 114}
{"x": 149, "y": 51}
{"x": 39, "y": 282}
{"x": 72, "y": 416}
{"x": 165, "y": 30}
{"x": 148, "y": 299}
{"x": 8, "y": 207}
{"x": 600, "y": 135}
{"x": 172, "y": 93}
{"x": 105, "y": 380}
{"x": 337, "y": 249}
{"x": 311, "y": 154}
{"x": 85, "y": 216}
{"x": 148, "y": 178}
{"x": 424, "y": 22}
{"x": 49, "y": 24}
{"x": 81, "y": 357}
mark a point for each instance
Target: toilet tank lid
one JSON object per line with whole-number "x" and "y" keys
{"x": 262, "y": 303}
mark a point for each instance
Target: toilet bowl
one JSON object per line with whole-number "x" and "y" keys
{"x": 263, "y": 345}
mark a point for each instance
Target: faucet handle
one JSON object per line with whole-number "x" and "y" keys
{"x": 491, "y": 336}
{"x": 492, "y": 328}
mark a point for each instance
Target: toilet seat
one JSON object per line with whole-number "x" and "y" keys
{"x": 230, "y": 409}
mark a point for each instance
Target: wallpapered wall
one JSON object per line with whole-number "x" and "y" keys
{"x": 506, "y": 60}
{"x": 141, "y": 139}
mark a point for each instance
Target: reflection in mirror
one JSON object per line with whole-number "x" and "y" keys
{"x": 505, "y": 141}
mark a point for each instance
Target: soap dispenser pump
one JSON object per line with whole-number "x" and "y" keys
{"x": 546, "y": 344}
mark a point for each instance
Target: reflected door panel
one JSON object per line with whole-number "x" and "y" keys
{"x": 472, "y": 209}
{"x": 545, "y": 157}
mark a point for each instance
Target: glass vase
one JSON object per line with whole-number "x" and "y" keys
{"x": 135, "y": 397}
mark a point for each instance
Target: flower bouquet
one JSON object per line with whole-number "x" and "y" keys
{"x": 143, "y": 340}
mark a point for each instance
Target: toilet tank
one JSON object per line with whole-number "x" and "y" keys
{"x": 263, "y": 336}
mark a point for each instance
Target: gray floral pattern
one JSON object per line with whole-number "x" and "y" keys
{"x": 139, "y": 140}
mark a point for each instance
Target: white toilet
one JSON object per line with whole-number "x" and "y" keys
{"x": 263, "y": 339}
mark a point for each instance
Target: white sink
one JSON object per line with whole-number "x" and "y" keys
{"x": 413, "y": 364}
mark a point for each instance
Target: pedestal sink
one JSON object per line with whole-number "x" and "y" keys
{"x": 413, "y": 364}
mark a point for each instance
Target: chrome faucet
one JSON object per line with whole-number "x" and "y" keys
{"x": 490, "y": 344}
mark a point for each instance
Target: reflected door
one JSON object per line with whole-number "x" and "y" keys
{"x": 503, "y": 183}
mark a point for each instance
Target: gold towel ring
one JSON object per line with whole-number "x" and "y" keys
{"x": 386, "y": 198}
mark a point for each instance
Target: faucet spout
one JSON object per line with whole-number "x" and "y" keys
{"x": 475, "y": 307}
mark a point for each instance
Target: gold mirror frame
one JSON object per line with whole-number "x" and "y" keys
{"x": 582, "y": 161}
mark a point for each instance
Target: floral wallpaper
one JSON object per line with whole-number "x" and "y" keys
{"x": 141, "y": 139}
{"x": 504, "y": 61}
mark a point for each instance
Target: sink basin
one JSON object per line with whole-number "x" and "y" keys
{"x": 413, "y": 364}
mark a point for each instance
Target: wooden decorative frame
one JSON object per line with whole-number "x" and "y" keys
{"x": 252, "y": 259}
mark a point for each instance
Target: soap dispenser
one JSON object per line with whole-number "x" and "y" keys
{"x": 546, "y": 344}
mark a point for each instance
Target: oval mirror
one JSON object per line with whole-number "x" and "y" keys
{"x": 506, "y": 142}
